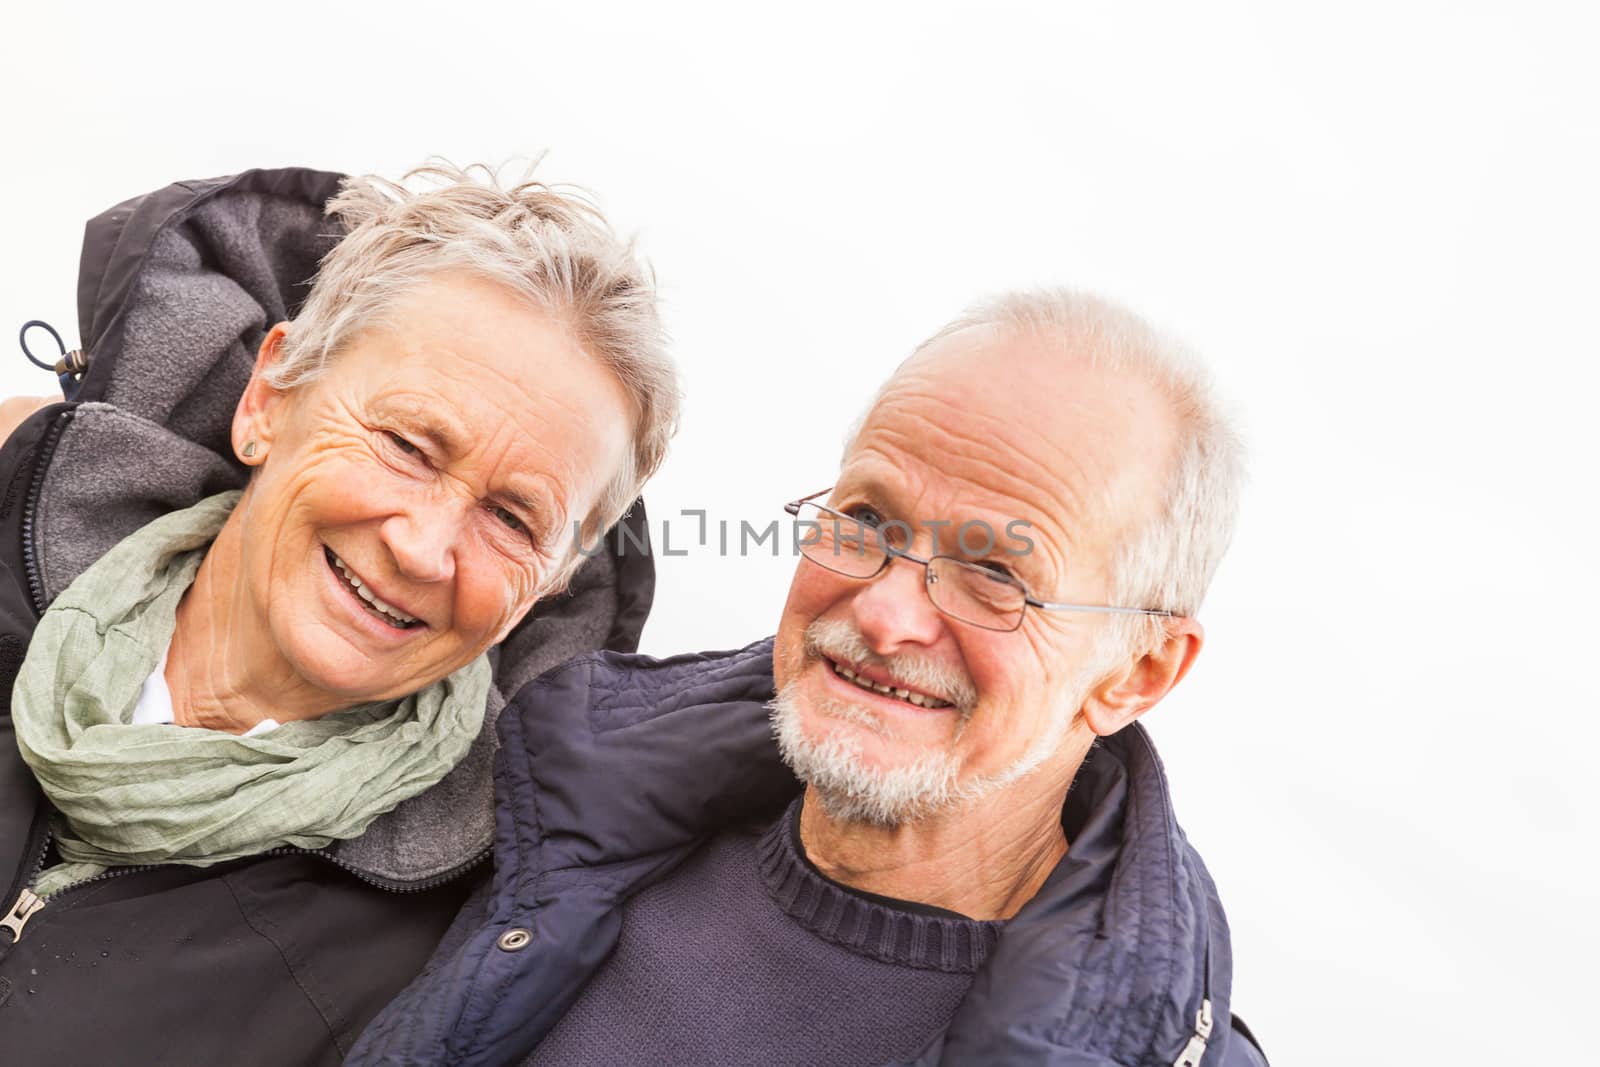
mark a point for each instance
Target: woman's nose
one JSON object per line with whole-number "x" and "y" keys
{"x": 423, "y": 541}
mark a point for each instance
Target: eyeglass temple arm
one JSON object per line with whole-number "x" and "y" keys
{"x": 1098, "y": 609}
{"x": 793, "y": 507}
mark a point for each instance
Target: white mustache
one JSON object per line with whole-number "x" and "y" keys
{"x": 837, "y": 639}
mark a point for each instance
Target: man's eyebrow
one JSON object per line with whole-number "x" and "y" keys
{"x": 870, "y": 489}
{"x": 884, "y": 493}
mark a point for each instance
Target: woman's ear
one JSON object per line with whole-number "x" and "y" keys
{"x": 255, "y": 419}
{"x": 1137, "y": 686}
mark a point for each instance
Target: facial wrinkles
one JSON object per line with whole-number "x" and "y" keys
{"x": 336, "y": 433}
{"x": 922, "y": 494}
{"x": 504, "y": 441}
{"x": 500, "y": 462}
{"x": 531, "y": 449}
{"x": 962, "y": 435}
{"x": 463, "y": 355}
{"x": 1070, "y": 496}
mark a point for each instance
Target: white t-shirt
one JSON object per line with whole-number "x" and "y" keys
{"x": 155, "y": 702}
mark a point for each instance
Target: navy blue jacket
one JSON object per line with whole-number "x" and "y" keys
{"x": 614, "y": 768}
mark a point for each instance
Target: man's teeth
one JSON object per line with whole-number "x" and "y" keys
{"x": 899, "y": 694}
{"x": 366, "y": 594}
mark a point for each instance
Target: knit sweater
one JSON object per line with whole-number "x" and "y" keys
{"x": 747, "y": 954}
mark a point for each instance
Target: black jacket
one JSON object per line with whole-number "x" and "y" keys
{"x": 282, "y": 958}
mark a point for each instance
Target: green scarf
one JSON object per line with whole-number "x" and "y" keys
{"x": 161, "y": 793}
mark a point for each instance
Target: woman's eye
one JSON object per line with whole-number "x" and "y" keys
{"x": 509, "y": 519}
{"x": 402, "y": 444}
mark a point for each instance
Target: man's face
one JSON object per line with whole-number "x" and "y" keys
{"x": 979, "y": 428}
{"x": 440, "y": 463}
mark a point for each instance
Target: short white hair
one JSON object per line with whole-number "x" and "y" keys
{"x": 1167, "y": 564}
{"x": 551, "y": 246}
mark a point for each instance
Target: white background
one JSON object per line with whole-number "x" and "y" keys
{"x": 1379, "y": 221}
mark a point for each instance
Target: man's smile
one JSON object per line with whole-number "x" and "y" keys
{"x": 875, "y": 680}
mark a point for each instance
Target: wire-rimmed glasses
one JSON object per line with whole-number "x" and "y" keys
{"x": 971, "y": 593}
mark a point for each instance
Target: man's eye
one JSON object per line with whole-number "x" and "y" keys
{"x": 402, "y": 444}
{"x": 999, "y": 569}
{"x": 509, "y": 519}
{"x": 866, "y": 515}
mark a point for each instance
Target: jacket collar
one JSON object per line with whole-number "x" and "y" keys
{"x": 1116, "y": 953}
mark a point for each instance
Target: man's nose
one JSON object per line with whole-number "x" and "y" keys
{"x": 423, "y": 539}
{"x": 893, "y": 609}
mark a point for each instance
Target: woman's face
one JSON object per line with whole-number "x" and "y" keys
{"x": 411, "y": 504}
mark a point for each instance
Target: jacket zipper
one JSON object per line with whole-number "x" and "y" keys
{"x": 30, "y": 561}
{"x": 29, "y": 903}
{"x": 1196, "y": 1048}
{"x": 384, "y": 883}
{"x": 25, "y": 908}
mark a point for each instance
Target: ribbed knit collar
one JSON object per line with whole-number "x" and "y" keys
{"x": 870, "y": 927}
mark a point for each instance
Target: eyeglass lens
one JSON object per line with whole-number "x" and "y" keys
{"x": 962, "y": 590}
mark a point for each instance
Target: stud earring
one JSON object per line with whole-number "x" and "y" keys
{"x": 248, "y": 450}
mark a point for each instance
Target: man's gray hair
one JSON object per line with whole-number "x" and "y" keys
{"x": 1170, "y": 561}
{"x": 551, "y": 246}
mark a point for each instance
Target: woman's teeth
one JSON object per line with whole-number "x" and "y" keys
{"x": 366, "y": 594}
{"x": 899, "y": 694}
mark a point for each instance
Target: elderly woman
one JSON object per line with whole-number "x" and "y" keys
{"x": 249, "y": 781}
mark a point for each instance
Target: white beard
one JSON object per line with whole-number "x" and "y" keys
{"x": 853, "y": 791}
{"x": 850, "y": 789}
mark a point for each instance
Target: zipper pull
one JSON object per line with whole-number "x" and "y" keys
{"x": 1196, "y": 1048}
{"x": 26, "y": 907}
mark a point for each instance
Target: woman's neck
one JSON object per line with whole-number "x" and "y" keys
{"x": 221, "y": 667}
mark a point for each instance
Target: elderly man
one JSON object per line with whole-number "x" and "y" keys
{"x": 1005, "y": 572}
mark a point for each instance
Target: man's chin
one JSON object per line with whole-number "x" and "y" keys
{"x": 860, "y": 774}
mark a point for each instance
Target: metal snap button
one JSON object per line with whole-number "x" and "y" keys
{"x": 514, "y": 940}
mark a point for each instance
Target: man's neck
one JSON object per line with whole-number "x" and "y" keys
{"x": 984, "y": 860}
{"x": 220, "y": 669}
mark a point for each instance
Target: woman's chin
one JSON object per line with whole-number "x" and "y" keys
{"x": 348, "y": 673}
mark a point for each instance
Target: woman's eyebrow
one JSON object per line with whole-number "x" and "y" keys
{"x": 444, "y": 433}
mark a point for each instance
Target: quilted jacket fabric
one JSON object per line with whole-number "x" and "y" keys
{"x": 614, "y": 768}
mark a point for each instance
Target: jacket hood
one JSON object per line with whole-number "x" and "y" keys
{"x": 615, "y": 768}
{"x": 176, "y": 290}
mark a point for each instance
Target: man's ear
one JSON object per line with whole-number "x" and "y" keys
{"x": 255, "y": 419}
{"x": 1138, "y": 685}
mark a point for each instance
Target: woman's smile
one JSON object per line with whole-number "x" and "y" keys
{"x": 368, "y": 622}
{"x": 362, "y": 591}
